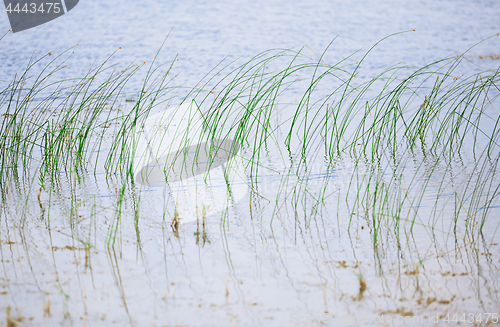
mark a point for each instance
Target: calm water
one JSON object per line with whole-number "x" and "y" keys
{"x": 249, "y": 271}
{"x": 206, "y": 32}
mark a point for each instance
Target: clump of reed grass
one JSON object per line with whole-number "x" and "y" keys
{"x": 418, "y": 116}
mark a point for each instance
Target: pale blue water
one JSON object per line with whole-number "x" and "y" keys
{"x": 204, "y": 33}
{"x": 249, "y": 271}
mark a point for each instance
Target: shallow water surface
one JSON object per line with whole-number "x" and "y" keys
{"x": 319, "y": 212}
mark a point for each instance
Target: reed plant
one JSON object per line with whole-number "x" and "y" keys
{"x": 405, "y": 125}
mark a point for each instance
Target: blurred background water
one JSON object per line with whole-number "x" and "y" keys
{"x": 206, "y": 32}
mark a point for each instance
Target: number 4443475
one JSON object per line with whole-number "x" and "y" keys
{"x": 33, "y": 8}
{"x": 472, "y": 318}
